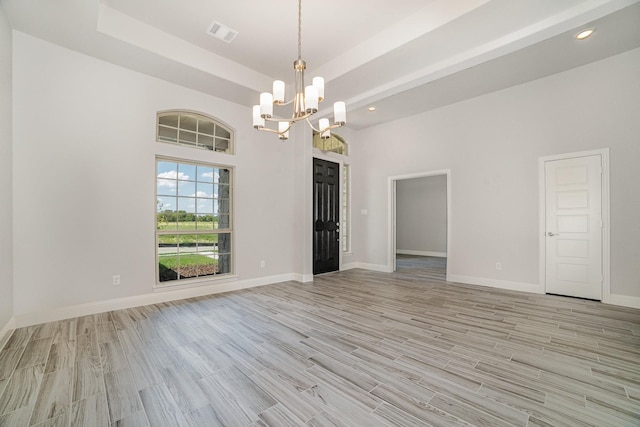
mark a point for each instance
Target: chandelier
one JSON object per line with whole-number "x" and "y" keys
{"x": 305, "y": 100}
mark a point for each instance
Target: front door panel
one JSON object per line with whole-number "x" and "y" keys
{"x": 326, "y": 216}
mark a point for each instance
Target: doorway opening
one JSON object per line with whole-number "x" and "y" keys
{"x": 419, "y": 228}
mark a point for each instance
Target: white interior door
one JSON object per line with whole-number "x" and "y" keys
{"x": 573, "y": 205}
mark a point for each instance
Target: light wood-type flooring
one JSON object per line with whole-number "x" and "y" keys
{"x": 354, "y": 348}
{"x": 423, "y": 267}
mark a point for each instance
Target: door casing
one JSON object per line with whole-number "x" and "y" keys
{"x": 606, "y": 231}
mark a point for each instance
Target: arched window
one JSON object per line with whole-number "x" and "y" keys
{"x": 194, "y": 130}
{"x": 335, "y": 143}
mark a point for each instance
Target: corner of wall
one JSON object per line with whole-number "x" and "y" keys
{"x": 624, "y": 301}
{"x": 5, "y": 332}
{"x": 6, "y": 175}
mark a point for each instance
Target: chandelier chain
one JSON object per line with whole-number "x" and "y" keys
{"x": 299, "y": 29}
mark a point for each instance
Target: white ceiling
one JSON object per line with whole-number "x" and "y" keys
{"x": 404, "y": 56}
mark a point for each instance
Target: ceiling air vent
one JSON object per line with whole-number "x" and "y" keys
{"x": 222, "y": 32}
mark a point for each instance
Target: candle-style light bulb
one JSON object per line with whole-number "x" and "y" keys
{"x": 325, "y": 132}
{"x": 340, "y": 113}
{"x": 266, "y": 105}
{"x": 283, "y": 128}
{"x": 258, "y": 121}
{"x": 278, "y": 92}
{"x": 311, "y": 99}
{"x": 318, "y": 83}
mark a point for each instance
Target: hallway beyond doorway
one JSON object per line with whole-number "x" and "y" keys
{"x": 424, "y": 267}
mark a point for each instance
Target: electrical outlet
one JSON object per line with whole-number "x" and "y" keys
{"x": 116, "y": 280}
{"x": 263, "y": 264}
{"x": 498, "y": 266}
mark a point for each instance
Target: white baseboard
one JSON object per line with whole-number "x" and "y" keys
{"x": 348, "y": 266}
{"x": 614, "y": 299}
{"x": 28, "y": 319}
{"x": 495, "y": 283}
{"x": 365, "y": 266}
{"x": 624, "y": 300}
{"x": 421, "y": 253}
{"x": 5, "y": 332}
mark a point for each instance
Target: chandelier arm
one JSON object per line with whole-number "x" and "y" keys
{"x": 311, "y": 126}
{"x": 289, "y": 102}
{"x": 266, "y": 129}
{"x": 333, "y": 126}
{"x": 290, "y": 119}
{"x": 282, "y": 104}
{"x": 277, "y": 132}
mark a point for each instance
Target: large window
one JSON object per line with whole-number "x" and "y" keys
{"x": 193, "y": 220}
{"x": 194, "y": 130}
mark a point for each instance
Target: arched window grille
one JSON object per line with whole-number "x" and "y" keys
{"x": 194, "y": 130}
{"x": 335, "y": 144}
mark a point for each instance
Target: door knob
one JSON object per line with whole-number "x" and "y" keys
{"x": 550, "y": 234}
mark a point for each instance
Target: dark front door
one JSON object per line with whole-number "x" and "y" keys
{"x": 326, "y": 216}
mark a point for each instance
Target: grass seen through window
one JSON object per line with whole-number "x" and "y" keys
{"x": 193, "y": 220}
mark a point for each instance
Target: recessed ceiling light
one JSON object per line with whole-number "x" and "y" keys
{"x": 584, "y": 34}
{"x": 372, "y": 108}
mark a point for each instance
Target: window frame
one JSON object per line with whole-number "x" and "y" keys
{"x": 345, "y": 208}
{"x": 199, "y": 117}
{"x": 317, "y": 141}
{"x": 214, "y": 231}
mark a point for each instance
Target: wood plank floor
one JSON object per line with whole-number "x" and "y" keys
{"x": 354, "y": 348}
{"x": 424, "y": 267}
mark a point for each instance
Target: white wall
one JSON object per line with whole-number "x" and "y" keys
{"x": 492, "y": 144}
{"x": 6, "y": 194}
{"x": 421, "y": 215}
{"x": 84, "y": 165}
{"x": 83, "y": 175}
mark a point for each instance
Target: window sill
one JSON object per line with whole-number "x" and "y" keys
{"x": 195, "y": 283}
